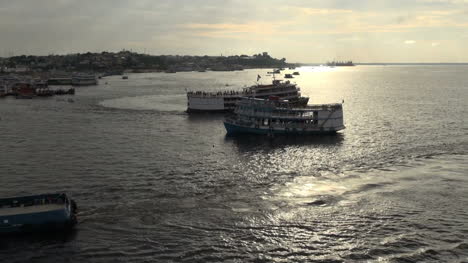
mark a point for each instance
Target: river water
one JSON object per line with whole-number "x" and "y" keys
{"x": 154, "y": 184}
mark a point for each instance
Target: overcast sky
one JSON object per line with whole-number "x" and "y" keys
{"x": 299, "y": 30}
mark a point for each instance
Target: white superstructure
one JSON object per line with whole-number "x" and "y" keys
{"x": 200, "y": 101}
{"x": 266, "y": 116}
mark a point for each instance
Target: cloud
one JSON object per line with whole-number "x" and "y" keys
{"x": 286, "y": 27}
{"x": 323, "y": 11}
{"x": 254, "y": 29}
{"x": 453, "y": 2}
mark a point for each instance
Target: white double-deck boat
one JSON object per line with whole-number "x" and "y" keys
{"x": 200, "y": 101}
{"x": 84, "y": 80}
{"x": 274, "y": 116}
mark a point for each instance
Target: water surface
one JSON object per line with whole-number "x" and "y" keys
{"x": 155, "y": 184}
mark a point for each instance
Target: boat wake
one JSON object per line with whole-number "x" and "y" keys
{"x": 168, "y": 103}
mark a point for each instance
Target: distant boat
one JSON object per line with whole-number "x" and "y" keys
{"x": 288, "y": 76}
{"x": 124, "y": 77}
{"x": 84, "y": 80}
{"x": 3, "y": 90}
{"x": 59, "y": 81}
{"x": 340, "y": 63}
{"x": 24, "y": 91}
{"x": 296, "y": 73}
{"x": 45, "y": 212}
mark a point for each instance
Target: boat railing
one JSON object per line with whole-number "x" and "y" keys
{"x": 308, "y": 116}
{"x": 203, "y": 94}
{"x": 270, "y": 106}
{"x": 275, "y": 88}
{"x": 275, "y": 125}
{"x": 298, "y": 114}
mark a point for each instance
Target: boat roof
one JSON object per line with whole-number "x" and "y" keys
{"x": 20, "y": 199}
{"x": 9, "y": 211}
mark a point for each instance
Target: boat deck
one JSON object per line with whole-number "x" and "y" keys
{"x": 30, "y": 209}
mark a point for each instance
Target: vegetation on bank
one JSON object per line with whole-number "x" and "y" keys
{"x": 127, "y": 60}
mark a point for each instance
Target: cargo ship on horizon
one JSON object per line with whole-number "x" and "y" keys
{"x": 348, "y": 63}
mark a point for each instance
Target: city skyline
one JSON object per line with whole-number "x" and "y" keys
{"x": 425, "y": 31}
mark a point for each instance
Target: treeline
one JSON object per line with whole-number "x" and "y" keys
{"x": 123, "y": 60}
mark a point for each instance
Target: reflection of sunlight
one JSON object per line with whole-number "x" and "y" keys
{"x": 148, "y": 102}
{"x": 318, "y": 68}
{"x": 309, "y": 187}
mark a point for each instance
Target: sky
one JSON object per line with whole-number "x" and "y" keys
{"x": 312, "y": 31}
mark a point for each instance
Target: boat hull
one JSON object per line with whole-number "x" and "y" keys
{"x": 195, "y": 111}
{"x": 37, "y": 222}
{"x": 233, "y": 129}
{"x": 36, "y": 214}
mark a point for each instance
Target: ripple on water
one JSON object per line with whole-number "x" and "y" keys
{"x": 154, "y": 184}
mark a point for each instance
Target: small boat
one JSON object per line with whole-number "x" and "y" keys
{"x": 24, "y": 91}
{"x": 124, "y": 77}
{"x": 37, "y": 213}
{"x": 296, "y": 73}
{"x": 288, "y": 76}
{"x": 70, "y": 91}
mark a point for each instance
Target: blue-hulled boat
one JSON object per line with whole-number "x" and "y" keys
{"x": 46, "y": 212}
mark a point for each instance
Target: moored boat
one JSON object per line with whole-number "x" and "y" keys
{"x": 84, "y": 80}
{"x": 44, "y": 212}
{"x": 3, "y": 89}
{"x": 24, "y": 90}
{"x": 274, "y": 116}
{"x": 59, "y": 81}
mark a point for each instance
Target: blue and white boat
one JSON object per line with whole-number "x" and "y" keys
{"x": 45, "y": 212}
{"x": 274, "y": 116}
